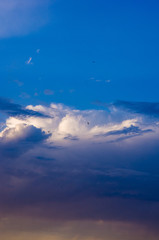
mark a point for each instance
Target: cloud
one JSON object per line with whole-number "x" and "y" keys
{"x": 98, "y": 80}
{"x": 38, "y": 51}
{"x": 131, "y": 131}
{"x": 61, "y": 168}
{"x": 73, "y": 230}
{"x": 48, "y": 92}
{"x": 64, "y": 123}
{"x": 19, "y": 17}
{"x": 19, "y": 83}
{"x": 11, "y": 109}
{"x": 23, "y": 133}
{"x": 24, "y": 95}
{"x": 29, "y": 61}
{"x": 146, "y": 108}
{"x": 15, "y": 141}
{"x": 45, "y": 159}
{"x": 108, "y": 81}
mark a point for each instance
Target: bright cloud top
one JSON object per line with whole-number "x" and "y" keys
{"x": 65, "y": 124}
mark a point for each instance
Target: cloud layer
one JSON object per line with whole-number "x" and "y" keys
{"x": 76, "y": 165}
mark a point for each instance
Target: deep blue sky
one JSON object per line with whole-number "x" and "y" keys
{"x": 84, "y": 44}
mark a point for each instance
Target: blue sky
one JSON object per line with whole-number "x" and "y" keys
{"x": 84, "y": 44}
{"x": 79, "y": 120}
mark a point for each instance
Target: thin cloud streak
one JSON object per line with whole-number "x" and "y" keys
{"x": 146, "y": 108}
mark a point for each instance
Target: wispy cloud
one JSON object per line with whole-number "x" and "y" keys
{"x": 24, "y": 95}
{"x": 19, "y": 83}
{"x": 108, "y": 81}
{"x": 20, "y": 17}
{"x": 48, "y": 92}
{"x": 29, "y": 61}
{"x": 146, "y": 108}
{"x": 38, "y": 50}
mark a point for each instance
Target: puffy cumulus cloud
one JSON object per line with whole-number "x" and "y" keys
{"x": 64, "y": 123}
{"x": 20, "y": 17}
{"x": 16, "y": 140}
{"x": 80, "y": 165}
{"x": 22, "y": 132}
{"x": 67, "y": 125}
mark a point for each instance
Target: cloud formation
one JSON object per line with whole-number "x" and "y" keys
{"x": 15, "y": 141}
{"x": 12, "y": 109}
{"x": 61, "y": 168}
{"x": 147, "y": 108}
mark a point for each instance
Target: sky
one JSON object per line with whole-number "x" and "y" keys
{"x": 79, "y": 120}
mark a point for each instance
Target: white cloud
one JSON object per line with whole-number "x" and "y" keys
{"x": 29, "y": 61}
{"x": 95, "y": 125}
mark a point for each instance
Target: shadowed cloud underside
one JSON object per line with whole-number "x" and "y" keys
{"x": 61, "y": 168}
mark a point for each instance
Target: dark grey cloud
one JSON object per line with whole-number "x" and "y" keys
{"x": 146, "y": 108}
{"x": 127, "y": 133}
{"x": 45, "y": 158}
{"x": 132, "y": 131}
{"x": 86, "y": 182}
{"x": 12, "y": 109}
{"x": 70, "y": 137}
